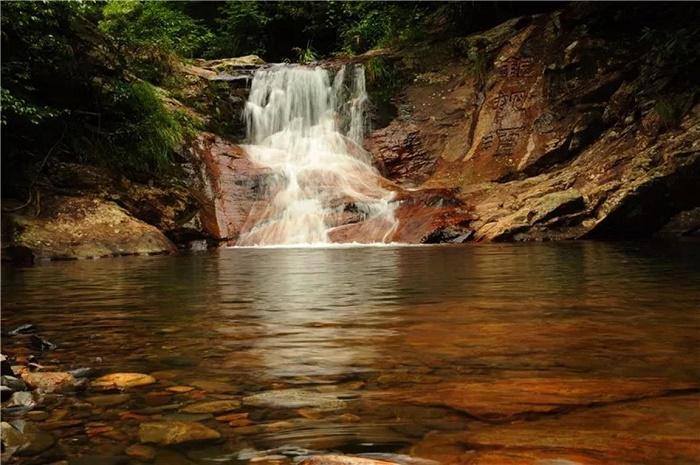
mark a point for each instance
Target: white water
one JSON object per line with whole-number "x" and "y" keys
{"x": 308, "y": 131}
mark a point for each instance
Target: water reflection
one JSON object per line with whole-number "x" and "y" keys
{"x": 378, "y": 328}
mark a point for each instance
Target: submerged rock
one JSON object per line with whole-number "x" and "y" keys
{"x": 24, "y": 438}
{"x": 141, "y": 452}
{"x": 108, "y": 400}
{"x": 214, "y": 406}
{"x": 122, "y": 381}
{"x": 50, "y": 381}
{"x": 294, "y": 398}
{"x": 175, "y": 432}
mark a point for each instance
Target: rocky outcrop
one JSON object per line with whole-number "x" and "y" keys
{"x": 549, "y": 127}
{"x": 229, "y": 185}
{"x": 77, "y": 227}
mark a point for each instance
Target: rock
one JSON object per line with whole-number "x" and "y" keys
{"x": 655, "y": 430}
{"x": 175, "y": 432}
{"x": 684, "y": 224}
{"x": 81, "y": 227}
{"x": 109, "y": 400}
{"x": 342, "y": 460}
{"x": 99, "y": 460}
{"x": 42, "y": 344}
{"x": 22, "y": 399}
{"x": 214, "y": 387}
{"x": 230, "y": 185}
{"x": 25, "y": 438}
{"x": 180, "y": 389}
{"x": 50, "y": 381}
{"x": 122, "y": 381}
{"x": 508, "y": 399}
{"x": 214, "y": 406}
{"x": 37, "y": 415}
{"x": 294, "y": 398}
{"x": 13, "y": 383}
{"x": 140, "y": 452}
{"x": 22, "y": 329}
{"x": 82, "y": 372}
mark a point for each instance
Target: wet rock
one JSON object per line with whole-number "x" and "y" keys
{"x": 342, "y": 460}
{"x": 13, "y": 383}
{"x": 175, "y": 432}
{"x": 6, "y": 366}
{"x": 81, "y": 227}
{"x": 25, "y": 438}
{"x": 109, "y": 400}
{"x": 82, "y": 372}
{"x": 37, "y": 415}
{"x": 50, "y": 381}
{"x": 188, "y": 417}
{"x": 22, "y": 399}
{"x": 214, "y": 387}
{"x": 42, "y": 344}
{"x": 214, "y": 406}
{"x": 180, "y": 389}
{"x": 122, "y": 381}
{"x": 294, "y": 398}
{"x": 141, "y": 452}
{"x": 99, "y": 460}
{"x": 22, "y": 329}
{"x": 500, "y": 400}
{"x": 656, "y": 430}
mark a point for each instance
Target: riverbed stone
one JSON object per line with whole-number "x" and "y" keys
{"x": 294, "y": 398}
{"x": 213, "y": 406}
{"x": 180, "y": 389}
{"x": 22, "y": 399}
{"x": 332, "y": 459}
{"x": 659, "y": 431}
{"x": 175, "y": 432}
{"x": 25, "y": 438}
{"x": 141, "y": 452}
{"x": 108, "y": 400}
{"x": 505, "y": 399}
{"x": 50, "y": 381}
{"x": 214, "y": 387}
{"x": 13, "y": 383}
{"x": 122, "y": 381}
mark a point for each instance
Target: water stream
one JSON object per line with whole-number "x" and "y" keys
{"x": 308, "y": 130}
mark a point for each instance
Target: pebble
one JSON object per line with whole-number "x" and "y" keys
{"x": 108, "y": 400}
{"x": 141, "y": 452}
{"x": 122, "y": 381}
{"x": 180, "y": 389}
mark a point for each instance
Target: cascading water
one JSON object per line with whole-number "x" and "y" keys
{"x": 308, "y": 132}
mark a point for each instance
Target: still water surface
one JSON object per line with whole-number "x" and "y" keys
{"x": 367, "y": 331}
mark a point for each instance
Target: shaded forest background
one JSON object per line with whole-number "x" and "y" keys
{"x": 81, "y": 81}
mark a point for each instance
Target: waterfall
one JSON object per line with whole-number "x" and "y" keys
{"x": 308, "y": 131}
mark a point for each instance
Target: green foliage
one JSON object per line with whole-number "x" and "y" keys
{"x": 241, "y": 30}
{"x": 144, "y": 142}
{"x": 134, "y": 23}
{"x": 372, "y": 24}
{"x": 305, "y": 55}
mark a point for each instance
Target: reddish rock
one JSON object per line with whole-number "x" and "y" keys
{"x": 231, "y": 186}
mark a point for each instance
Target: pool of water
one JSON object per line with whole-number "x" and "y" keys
{"x": 362, "y": 350}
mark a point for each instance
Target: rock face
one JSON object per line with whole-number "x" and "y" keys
{"x": 230, "y": 185}
{"x": 74, "y": 227}
{"x": 547, "y": 127}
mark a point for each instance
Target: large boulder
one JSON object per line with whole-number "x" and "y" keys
{"x": 68, "y": 227}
